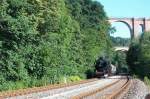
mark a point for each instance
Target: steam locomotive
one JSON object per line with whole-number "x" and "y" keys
{"x": 104, "y": 68}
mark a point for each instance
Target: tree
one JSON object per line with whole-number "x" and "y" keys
{"x": 94, "y": 28}
{"x": 138, "y": 56}
{"x": 118, "y": 41}
{"x": 133, "y": 55}
{"x": 145, "y": 55}
{"x": 42, "y": 41}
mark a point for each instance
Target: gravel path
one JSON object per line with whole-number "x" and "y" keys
{"x": 138, "y": 90}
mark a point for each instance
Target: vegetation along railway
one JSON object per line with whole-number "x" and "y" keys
{"x": 102, "y": 86}
{"x": 50, "y": 48}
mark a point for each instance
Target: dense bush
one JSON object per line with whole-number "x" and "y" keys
{"x": 139, "y": 56}
{"x": 133, "y": 56}
{"x": 118, "y": 41}
{"x": 119, "y": 60}
{"x": 42, "y": 41}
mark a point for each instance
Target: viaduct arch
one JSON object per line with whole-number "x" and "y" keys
{"x": 134, "y": 24}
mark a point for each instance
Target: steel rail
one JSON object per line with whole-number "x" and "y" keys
{"x": 86, "y": 94}
{"x": 114, "y": 95}
{"x": 22, "y": 92}
{"x": 123, "y": 89}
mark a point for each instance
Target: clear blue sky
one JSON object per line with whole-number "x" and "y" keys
{"x": 125, "y": 8}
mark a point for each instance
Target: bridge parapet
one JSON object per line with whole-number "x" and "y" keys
{"x": 135, "y": 25}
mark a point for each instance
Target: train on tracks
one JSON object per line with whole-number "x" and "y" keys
{"x": 104, "y": 68}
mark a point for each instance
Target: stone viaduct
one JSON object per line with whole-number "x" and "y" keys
{"x": 134, "y": 25}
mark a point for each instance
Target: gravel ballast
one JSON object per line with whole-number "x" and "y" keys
{"x": 138, "y": 90}
{"x": 66, "y": 92}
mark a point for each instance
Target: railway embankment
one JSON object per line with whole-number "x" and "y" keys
{"x": 138, "y": 90}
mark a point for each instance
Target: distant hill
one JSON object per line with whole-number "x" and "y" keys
{"x": 118, "y": 41}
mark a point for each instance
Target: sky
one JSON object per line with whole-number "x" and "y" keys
{"x": 125, "y": 8}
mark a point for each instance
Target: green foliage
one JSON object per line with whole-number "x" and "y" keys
{"x": 94, "y": 28}
{"x": 135, "y": 76}
{"x": 118, "y": 41}
{"x": 145, "y": 54}
{"x": 42, "y": 41}
{"x": 145, "y": 49}
{"x": 74, "y": 78}
{"x": 119, "y": 60}
{"x": 147, "y": 81}
{"x": 133, "y": 56}
{"x": 139, "y": 56}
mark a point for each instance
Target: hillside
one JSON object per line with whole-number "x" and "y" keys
{"x": 118, "y": 41}
{"x": 46, "y": 41}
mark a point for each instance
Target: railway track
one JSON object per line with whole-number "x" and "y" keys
{"x": 112, "y": 91}
{"x": 89, "y": 89}
{"x": 27, "y": 93}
